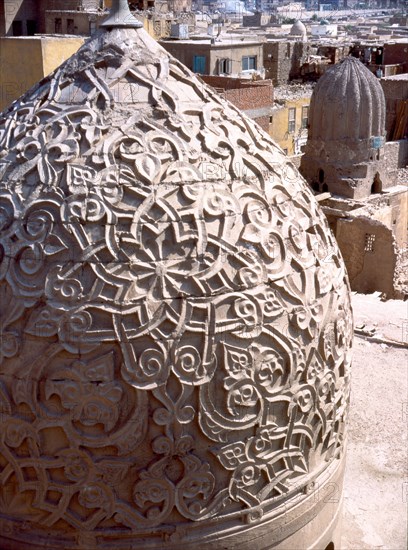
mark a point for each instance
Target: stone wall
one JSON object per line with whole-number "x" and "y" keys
{"x": 369, "y": 251}
{"x": 283, "y": 60}
{"x": 395, "y": 90}
{"x": 395, "y": 157}
{"x": 372, "y": 237}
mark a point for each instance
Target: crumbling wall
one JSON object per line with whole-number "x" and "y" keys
{"x": 283, "y": 60}
{"x": 395, "y": 157}
{"x": 370, "y": 253}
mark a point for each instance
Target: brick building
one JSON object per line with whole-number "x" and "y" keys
{"x": 254, "y": 98}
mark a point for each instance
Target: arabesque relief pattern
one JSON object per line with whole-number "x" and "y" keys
{"x": 175, "y": 321}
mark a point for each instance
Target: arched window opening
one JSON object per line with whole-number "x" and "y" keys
{"x": 377, "y": 184}
{"x": 321, "y": 176}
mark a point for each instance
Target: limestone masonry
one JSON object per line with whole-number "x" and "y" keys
{"x": 176, "y": 322}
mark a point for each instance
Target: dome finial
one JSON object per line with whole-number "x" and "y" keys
{"x": 121, "y": 17}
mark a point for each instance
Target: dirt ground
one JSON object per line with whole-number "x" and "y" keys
{"x": 376, "y": 482}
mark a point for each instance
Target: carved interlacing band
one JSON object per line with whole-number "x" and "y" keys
{"x": 175, "y": 323}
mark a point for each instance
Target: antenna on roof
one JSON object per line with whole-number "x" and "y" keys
{"x": 121, "y": 17}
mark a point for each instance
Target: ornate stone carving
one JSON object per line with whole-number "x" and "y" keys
{"x": 175, "y": 321}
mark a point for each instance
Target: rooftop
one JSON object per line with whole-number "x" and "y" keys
{"x": 403, "y": 76}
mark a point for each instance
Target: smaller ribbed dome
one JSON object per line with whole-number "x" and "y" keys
{"x": 347, "y": 103}
{"x": 298, "y": 29}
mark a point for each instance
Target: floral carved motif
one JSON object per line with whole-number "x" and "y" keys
{"x": 174, "y": 338}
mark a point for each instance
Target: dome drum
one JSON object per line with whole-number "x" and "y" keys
{"x": 344, "y": 171}
{"x": 176, "y": 348}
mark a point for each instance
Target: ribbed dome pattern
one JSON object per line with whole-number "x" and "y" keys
{"x": 347, "y": 103}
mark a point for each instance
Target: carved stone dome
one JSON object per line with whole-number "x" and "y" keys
{"x": 175, "y": 317}
{"x": 347, "y": 104}
{"x": 344, "y": 149}
{"x": 298, "y": 29}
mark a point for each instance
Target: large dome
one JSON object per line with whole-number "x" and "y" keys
{"x": 347, "y": 104}
{"x": 175, "y": 314}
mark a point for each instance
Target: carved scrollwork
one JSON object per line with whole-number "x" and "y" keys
{"x": 175, "y": 324}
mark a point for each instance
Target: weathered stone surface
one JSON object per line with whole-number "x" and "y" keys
{"x": 345, "y": 147}
{"x": 175, "y": 316}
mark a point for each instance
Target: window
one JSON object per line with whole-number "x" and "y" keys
{"x": 58, "y": 25}
{"x": 199, "y": 64}
{"x": 377, "y": 184}
{"x": 369, "y": 243}
{"x": 249, "y": 63}
{"x": 305, "y": 117}
{"x": 292, "y": 120}
{"x": 224, "y": 66}
{"x": 321, "y": 175}
{"x": 70, "y": 26}
{"x": 17, "y": 27}
{"x": 31, "y": 27}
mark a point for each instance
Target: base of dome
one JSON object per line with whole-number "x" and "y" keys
{"x": 309, "y": 521}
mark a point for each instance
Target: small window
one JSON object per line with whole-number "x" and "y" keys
{"x": 321, "y": 175}
{"x": 58, "y": 25}
{"x": 377, "y": 184}
{"x": 31, "y": 27}
{"x": 249, "y": 63}
{"x": 292, "y": 120}
{"x": 70, "y": 26}
{"x": 270, "y": 119}
{"x": 369, "y": 242}
{"x": 17, "y": 27}
{"x": 199, "y": 63}
{"x": 224, "y": 66}
{"x": 305, "y": 117}
{"x": 285, "y": 151}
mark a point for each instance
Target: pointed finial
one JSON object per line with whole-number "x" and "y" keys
{"x": 121, "y": 17}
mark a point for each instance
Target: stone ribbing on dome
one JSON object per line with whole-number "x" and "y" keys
{"x": 175, "y": 314}
{"x": 347, "y": 104}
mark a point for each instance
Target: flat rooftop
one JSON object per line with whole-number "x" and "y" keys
{"x": 403, "y": 76}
